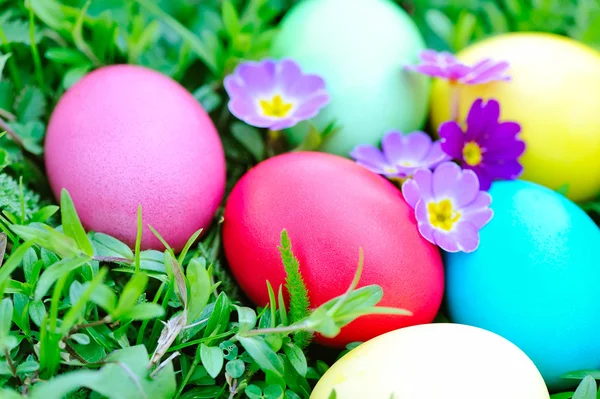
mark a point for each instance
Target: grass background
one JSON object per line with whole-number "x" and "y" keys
{"x": 45, "y": 47}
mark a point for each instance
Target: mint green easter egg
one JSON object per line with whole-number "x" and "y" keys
{"x": 360, "y": 48}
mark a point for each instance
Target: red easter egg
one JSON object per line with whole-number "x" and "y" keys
{"x": 330, "y": 206}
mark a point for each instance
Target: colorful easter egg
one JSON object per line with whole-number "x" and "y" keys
{"x": 434, "y": 361}
{"x": 554, "y": 93}
{"x": 359, "y": 47}
{"x": 534, "y": 279}
{"x": 330, "y": 207}
{"x": 125, "y": 136}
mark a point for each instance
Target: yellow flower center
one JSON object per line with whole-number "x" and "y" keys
{"x": 389, "y": 169}
{"x": 472, "y": 153}
{"x": 442, "y": 215}
{"x": 406, "y": 163}
{"x": 275, "y": 107}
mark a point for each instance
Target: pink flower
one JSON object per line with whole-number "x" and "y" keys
{"x": 445, "y": 66}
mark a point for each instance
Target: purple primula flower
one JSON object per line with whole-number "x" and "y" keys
{"x": 445, "y": 66}
{"x": 401, "y": 155}
{"x": 490, "y": 148}
{"x": 449, "y": 207}
{"x": 274, "y": 94}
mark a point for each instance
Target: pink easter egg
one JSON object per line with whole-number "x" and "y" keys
{"x": 125, "y": 136}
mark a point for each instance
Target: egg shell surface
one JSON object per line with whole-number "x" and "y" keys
{"x": 434, "y": 361}
{"x": 125, "y": 136}
{"x": 359, "y": 47}
{"x": 534, "y": 279}
{"x": 554, "y": 93}
{"x": 330, "y": 206}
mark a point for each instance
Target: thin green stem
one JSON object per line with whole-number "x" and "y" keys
{"x": 305, "y": 326}
{"x": 187, "y": 377}
{"x": 39, "y": 74}
{"x": 164, "y": 304}
{"x": 140, "y": 336}
{"x": 202, "y": 340}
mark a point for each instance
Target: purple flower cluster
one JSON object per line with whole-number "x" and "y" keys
{"x": 451, "y": 202}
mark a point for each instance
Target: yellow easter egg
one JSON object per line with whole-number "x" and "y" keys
{"x": 554, "y": 93}
{"x": 434, "y": 361}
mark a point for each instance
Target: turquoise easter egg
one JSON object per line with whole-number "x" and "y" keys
{"x": 360, "y": 48}
{"x": 535, "y": 280}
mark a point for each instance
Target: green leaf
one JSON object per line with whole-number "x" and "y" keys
{"x": 212, "y": 359}
{"x": 6, "y": 93}
{"x": 3, "y": 59}
{"x": 262, "y": 354}
{"x": 72, "y": 225}
{"x": 44, "y": 214}
{"x": 562, "y": 395}
{"x": 54, "y": 14}
{"x": 48, "y": 238}
{"x": 246, "y": 318}
{"x": 9, "y": 394}
{"x": 30, "y": 105}
{"x": 80, "y": 338}
{"x": 126, "y": 369}
{"x": 254, "y": 392}
{"x": 65, "y": 55}
{"x": 250, "y": 138}
{"x": 299, "y": 299}
{"x": 296, "y": 357}
{"x": 75, "y": 291}
{"x": 231, "y": 20}
{"x": 235, "y": 368}
{"x": 54, "y": 272}
{"x": 12, "y": 262}
{"x": 152, "y": 260}
{"x": 105, "y": 298}
{"x": 196, "y": 44}
{"x": 586, "y": 389}
{"x": 463, "y": 30}
{"x": 28, "y": 366}
{"x": 78, "y": 304}
{"x": 219, "y": 318}
{"x": 108, "y": 246}
{"x": 200, "y": 287}
{"x": 37, "y": 312}
{"x": 273, "y": 392}
{"x": 208, "y": 98}
{"x": 143, "y": 311}
{"x": 131, "y": 293}
{"x": 440, "y": 24}
{"x": 229, "y": 349}
{"x": 6, "y": 315}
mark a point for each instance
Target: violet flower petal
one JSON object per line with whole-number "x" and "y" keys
{"x": 466, "y": 188}
{"x": 411, "y": 192}
{"x": 466, "y": 236}
{"x": 445, "y": 180}
{"x": 452, "y": 139}
{"x": 370, "y": 157}
{"x": 423, "y": 177}
{"x": 445, "y": 241}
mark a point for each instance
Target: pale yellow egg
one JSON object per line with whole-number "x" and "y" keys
{"x": 554, "y": 94}
{"x": 434, "y": 361}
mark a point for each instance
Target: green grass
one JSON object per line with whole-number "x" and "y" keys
{"x": 83, "y": 315}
